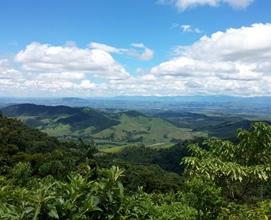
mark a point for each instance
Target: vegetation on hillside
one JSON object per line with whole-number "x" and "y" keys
{"x": 43, "y": 178}
{"x": 106, "y": 128}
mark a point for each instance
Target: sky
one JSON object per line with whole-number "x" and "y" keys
{"x": 135, "y": 47}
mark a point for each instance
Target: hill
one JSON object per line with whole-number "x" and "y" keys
{"x": 219, "y": 126}
{"x": 148, "y": 130}
{"x": 15, "y": 136}
{"x": 107, "y": 128}
{"x": 88, "y": 118}
{"x": 38, "y": 110}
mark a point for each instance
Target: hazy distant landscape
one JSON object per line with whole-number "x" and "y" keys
{"x": 211, "y": 105}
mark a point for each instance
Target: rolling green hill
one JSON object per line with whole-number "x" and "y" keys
{"x": 108, "y": 129}
{"x": 145, "y": 129}
{"x": 222, "y": 126}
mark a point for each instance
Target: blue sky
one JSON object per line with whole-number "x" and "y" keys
{"x": 151, "y": 47}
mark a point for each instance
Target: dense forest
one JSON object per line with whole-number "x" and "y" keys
{"x": 44, "y": 178}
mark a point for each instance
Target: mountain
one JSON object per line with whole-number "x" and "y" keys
{"x": 15, "y": 136}
{"x": 149, "y": 130}
{"x": 88, "y": 118}
{"x": 43, "y": 117}
{"x": 257, "y": 107}
{"x": 107, "y": 128}
{"x": 224, "y": 127}
{"x": 38, "y": 110}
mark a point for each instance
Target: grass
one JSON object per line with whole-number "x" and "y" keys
{"x": 112, "y": 150}
{"x": 58, "y": 130}
{"x": 117, "y": 149}
{"x": 161, "y": 145}
{"x": 150, "y": 130}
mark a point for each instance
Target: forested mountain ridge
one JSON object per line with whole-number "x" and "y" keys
{"x": 76, "y": 117}
{"x": 221, "y": 125}
{"x": 38, "y": 110}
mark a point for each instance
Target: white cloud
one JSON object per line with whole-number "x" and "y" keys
{"x": 146, "y": 55}
{"x": 138, "y": 51}
{"x": 244, "y": 44}
{"x": 149, "y": 77}
{"x": 7, "y": 71}
{"x": 189, "y": 28}
{"x": 62, "y": 76}
{"x": 86, "y": 84}
{"x": 107, "y": 48}
{"x": 236, "y": 61}
{"x": 186, "y": 4}
{"x": 58, "y": 59}
{"x": 239, "y": 4}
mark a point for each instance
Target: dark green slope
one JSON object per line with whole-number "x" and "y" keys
{"x": 219, "y": 126}
{"x": 87, "y": 118}
{"x": 40, "y": 116}
{"x": 14, "y": 135}
{"x": 38, "y": 110}
{"x": 194, "y": 120}
{"x": 133, "y": 114}
{"x": 228, "y": 129}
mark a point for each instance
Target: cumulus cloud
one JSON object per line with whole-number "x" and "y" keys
{"x": 10, "y": 78}
{"x": 244, "y": 44}
{"x": 186, "y": 4}
{"x": 138, "y": 50}
{"x": 45, "y": 69}
{"x": 236, "y": 61}
{"x": 58, "y": 59}
{"x": 86, "y": 84}
{"x": 68, "y": 69}
{"x": 7, "y": 71}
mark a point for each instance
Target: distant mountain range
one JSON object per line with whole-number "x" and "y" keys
{"x": 259, "y": 107}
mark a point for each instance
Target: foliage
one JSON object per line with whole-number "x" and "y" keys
{"x": 43, "y": 178}
{"x": 168, "y": 159}
{"x": 82, "y": 197}
{"x": 236, "y": 167}
{"x": 205, "y": 197}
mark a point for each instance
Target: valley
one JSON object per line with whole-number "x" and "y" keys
{"x": 107, "y": 129}
{"x": 114, "y": 129}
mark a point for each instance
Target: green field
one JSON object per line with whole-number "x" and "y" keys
{"x": 112, "y": 149}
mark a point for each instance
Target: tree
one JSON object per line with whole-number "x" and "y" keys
{"x": 21, "y": 172}
{"x": 241, "y": 169}
{"x": 203, "y": 195}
